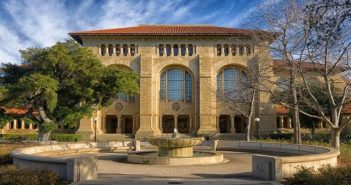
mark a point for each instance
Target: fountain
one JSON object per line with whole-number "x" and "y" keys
{"x": 175, "y": 150}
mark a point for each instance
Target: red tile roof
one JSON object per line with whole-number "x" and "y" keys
{"x": 346, "y": 109}
{"x": 280, "y": 109}
{"x": 281, "y": 64}
{"x": 180, "y": 30}
{"x": 15, "y": 111}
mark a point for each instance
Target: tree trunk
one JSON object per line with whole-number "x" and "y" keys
{"x": 248, "y": 127}
{"x": 44, "y": 136}
{"x": 313, "y": 131}
{"x": 335, "y": 138}
{"x": 295, "y": 111}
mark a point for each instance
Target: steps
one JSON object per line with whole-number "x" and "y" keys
{"x": 114, "y": 137}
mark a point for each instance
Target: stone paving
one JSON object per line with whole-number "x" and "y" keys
{"x": 236, "y": 170}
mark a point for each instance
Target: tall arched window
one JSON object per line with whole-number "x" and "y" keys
{"x": 118, "y": 49}
{"x": 232, "y": 83}
{"x": 190, "y": 49}
{"x": 132, "y": 49}
{"x": 182, "y": 49}
{"x": 125, "y": 49}
{"x": 226, "y": 50}
{"x": 176, "y": 84}
{"x": 110, "y": 49}
{"x": 168, "y": 50}
{"x": 103, "y": 49}
{"x": 219, "y": 50}
{"x": 160, "y": 50}
{"x": 175, "y": 50}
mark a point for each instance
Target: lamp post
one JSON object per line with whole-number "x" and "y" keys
{"x": 257, "y": 120}
{"x": 95, "y": 123}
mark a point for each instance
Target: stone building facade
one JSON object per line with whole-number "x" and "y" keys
{"x": 181, "y": 69}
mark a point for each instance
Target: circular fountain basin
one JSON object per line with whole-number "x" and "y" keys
{"x": 175, "y": 147}
{"x": 199, "y": 158}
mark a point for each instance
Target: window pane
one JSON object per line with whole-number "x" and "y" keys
{"x": 188, "y": 87}
{"x": 163, "y": 86}
{"x": 219, "y": 84}
{"x": 122, "y": 96}
{"x": 175, "y": 84}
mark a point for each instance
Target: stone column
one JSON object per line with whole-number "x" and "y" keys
{"x": 176, "y": 122}
{"x": 289, "y": 122}
{"x": 160, "y": 123}
{"x": 281, "y": 122}
{"x": 22, "y": 125}
{"x": 7, "y": 126}
{"x": 103, "y": 124}
{"x": 232, "y": 124}
{"x": 30, "y": 125}
{"x": 119, "y": 124}
{"x": 237, "y": 50}
{"x": 217, "y": 124}
{"x": 15, "y": 124}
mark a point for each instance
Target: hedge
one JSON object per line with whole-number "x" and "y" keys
{"x": 322, "y": 137}
{"x": 54, "y": 137}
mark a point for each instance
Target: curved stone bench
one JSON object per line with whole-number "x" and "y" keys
{"x": 279, "y": 167}
{"x": 72, "y": 168}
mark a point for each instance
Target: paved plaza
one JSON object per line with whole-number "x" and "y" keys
{"x": 236, "y": 170}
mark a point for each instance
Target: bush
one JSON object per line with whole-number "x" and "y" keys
{"x": 281, "y": 136}
{"x": 54, "y": 137}
{"x": 11, "y": 175}
{"x": 66, "y": 137}
{"x": 18, "y": 137}
{"x": 5, "y": 159}
{"x": 326, "y": 175}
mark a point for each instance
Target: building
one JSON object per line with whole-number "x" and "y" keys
{"x": 181, "y": 68}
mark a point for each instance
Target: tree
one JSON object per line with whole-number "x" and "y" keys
{"x": 314, "y": 34}
{"x": 62, "y": 84}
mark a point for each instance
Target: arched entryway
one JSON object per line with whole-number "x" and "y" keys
{"x": 181, "y": 122}
{"x": 111, "y": 124}
{"x": 224, "y": 124}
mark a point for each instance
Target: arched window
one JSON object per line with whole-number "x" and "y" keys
{"x": 176, "y": 84}
{"x": 226, "y": 50}
{"x": 248, "y": 50}
{"x": 232, "y": 83}
{"x": 168, "y": 50}
{"x": 118, "y": 49}
{"x": 103, "y": 49}
{"x": 125, "y": 49}
{"x": 175, "y": 50}
{"x": 110, "y": 49}
{"x": 219, "y": 50}
{"x": 161, "y": 49}
{"x": 233, "y": 50}
{"x": 241, "y": 50}
{"x": 182, "y": 49}
{"x": 132, "y": 49}
{"x": 190, "y": 50}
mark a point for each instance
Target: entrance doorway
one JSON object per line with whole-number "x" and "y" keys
{"x": 127, "y": 124}
{"x": 224, "y": 124}
{"x": 240, "y": 124}
{"x": 167, "y": 123}
{"x": 183, "y": 124}
{"x": 111, "y": 124}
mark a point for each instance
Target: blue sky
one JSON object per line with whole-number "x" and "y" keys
{"x": 42, "y": 23}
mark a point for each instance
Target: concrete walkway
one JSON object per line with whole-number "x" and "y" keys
{"x": 236, "y": 170}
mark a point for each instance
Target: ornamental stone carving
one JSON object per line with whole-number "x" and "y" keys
{"x": 175, "y": 106}
{"x": 119, "y": 107}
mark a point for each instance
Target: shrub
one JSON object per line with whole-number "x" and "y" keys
{"x": 11, "y": 175}
{"x": 55, "y": 137}
{"x": 326, "y": 175}
{"x": 5, "y": 159}
{"x": 66, "y": 137}
{"x": 281, "y": 136}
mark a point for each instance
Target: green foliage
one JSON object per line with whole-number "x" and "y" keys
{"x": 66, "y": 137}
{"x": 47, "y": 127}
{"x": 11, "y": 175}
{"x": 326, "y": 175}
{"x": 66, "y": 80}
{"x": 55, "y": 137}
